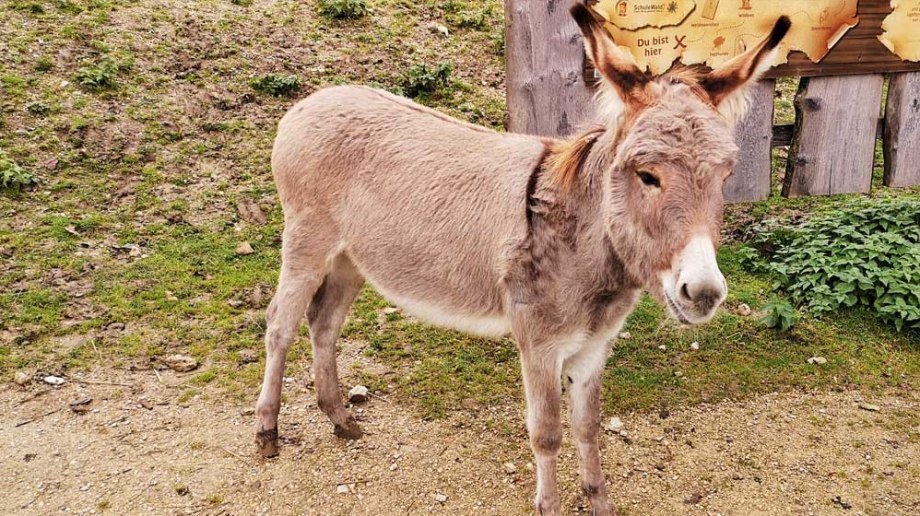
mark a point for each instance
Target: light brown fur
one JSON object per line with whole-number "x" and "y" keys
{"x": 494, "y": 233}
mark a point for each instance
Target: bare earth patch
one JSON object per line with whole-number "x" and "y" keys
{"x": 142, "y": 449}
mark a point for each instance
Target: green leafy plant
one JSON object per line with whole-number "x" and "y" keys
{"x": 865, "y": 254}
{"x": 12, "y": 176}
{"x": 276, "y": 85}
{"x": 102, "y": 75}
{"x": 421, "y": 79}
{"x": 343, "y": 9}
{"x": 779, "y": 315}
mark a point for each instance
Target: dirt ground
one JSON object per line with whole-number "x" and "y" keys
{"x": 141, "y": 449}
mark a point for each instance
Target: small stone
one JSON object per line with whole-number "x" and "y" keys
{"x": 244, "y": 248}
{"x": 342, "y": 489}
{"x": 389, "y": 310}
{"x": 22, "y": 378}
{"x": 615, "y": 424}
{"x": 358, "y": 394}
{"x": 509, "y": 468}
{"x": 394, "y": 466}
{"x": 664, "y": 414}
{"x": 80, "y": 406}
{"x": 695, "y": 346}
{"x": 440, "y": 498}
{"x": 663, "y": 347}
{"x": 146, "y": 403}
{"x": 247, "y": 411}
{"x": 744, "y": 310}
{"x": 234, "y": 303}
{"x": 437, "y": 28}
{"x": 181, "y": 363}
{"x": 871, "y": 407}
{"x": 625, "y": 335}
{"x": 817, "y": 360}
{"x": 54, "y": 380}
{"x": 248, "y": 356}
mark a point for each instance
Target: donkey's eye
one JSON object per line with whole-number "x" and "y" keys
{"x": 649, "y": 180}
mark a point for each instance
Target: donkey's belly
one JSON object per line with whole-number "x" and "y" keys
{"x": 486, "y": 325}
{"x": 464, "y": 306}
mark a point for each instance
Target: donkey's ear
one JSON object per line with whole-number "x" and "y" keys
{"x": 727, "y": 86}
{"x": 616, "y": 66}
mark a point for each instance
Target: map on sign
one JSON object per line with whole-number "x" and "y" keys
{"x": 659, "y": 32}
{"x": 902, "y": 29}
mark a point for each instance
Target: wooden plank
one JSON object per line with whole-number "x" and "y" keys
{"x": 859, "y": 52}
{"x": 782, "y": 134}
{"x": 751, "y": 178}
{"x": 546, "y": 94}
{"x": 902, "y": 134}
{"x": 833, "y": 149}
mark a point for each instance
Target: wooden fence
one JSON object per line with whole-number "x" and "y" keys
{"x": 839, "y": 118}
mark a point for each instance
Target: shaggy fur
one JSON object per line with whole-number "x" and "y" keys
{"x": 495, "y": 233}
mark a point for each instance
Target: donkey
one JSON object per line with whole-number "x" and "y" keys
{"x": 491, "y": 233}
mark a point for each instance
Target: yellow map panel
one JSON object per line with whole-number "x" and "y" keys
{"x": 714, "y": 31}
{"x": 902, "y": 29}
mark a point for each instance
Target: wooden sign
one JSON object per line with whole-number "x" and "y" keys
{"x": 854, "y": 41}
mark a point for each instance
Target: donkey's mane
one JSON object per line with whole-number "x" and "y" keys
{"x": 567, "y": 157}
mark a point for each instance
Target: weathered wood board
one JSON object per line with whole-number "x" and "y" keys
{"x": 751, "y": 179}
{"x": 833, "y": 149}
{"x": 546, "y": 94}
{"x": 902, "y": 131}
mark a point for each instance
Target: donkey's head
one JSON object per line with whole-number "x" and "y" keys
{"x": 672, "y": 151}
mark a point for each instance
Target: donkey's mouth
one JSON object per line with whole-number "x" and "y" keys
{"x": 675, "y": 309}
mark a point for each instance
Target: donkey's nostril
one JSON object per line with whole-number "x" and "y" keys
{"x": 685, "y": 293}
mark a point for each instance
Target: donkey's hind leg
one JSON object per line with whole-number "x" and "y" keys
{"x": 325, "y": 316}
{"x": 302, "y": 273}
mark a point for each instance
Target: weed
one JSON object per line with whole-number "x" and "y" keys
{"x": 38, "y": 108}
{"x": 420, "y": 79}
{"x": 779, "y": 315}
{"x": 102, "y": 75}
{"x": 12, "y": 176}
{"x": 343, "y": 9}
{"x": 277, "y": 85}
{"x": 241, "y": 3}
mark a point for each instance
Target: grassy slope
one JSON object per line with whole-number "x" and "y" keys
{"x": 161, "y": 160}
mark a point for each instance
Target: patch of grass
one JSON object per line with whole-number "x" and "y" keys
{"x": 277, "y": 85}
{"x": 343, "y": 9}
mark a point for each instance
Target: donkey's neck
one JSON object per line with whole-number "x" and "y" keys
{"x": 570, "y": 200}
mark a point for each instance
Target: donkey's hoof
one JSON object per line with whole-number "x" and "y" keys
{"x": 267, "y": 441}
{"x": 350, "y": 430}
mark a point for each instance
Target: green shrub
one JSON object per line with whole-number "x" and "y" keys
{"x": 343, "y": 9}
{"x": 102, "y": 75}
{"x": 276, "y": 85}
{"x": 865, "y": 254}
{"x": 420, "y": 79}
{"x": 12, "y": 176}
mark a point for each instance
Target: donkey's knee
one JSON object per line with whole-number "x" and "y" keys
{"x": 546, "y": 442}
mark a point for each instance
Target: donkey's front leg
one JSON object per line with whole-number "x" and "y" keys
{"x": 583, "y": 372}
{"x": 541, "y": 366}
